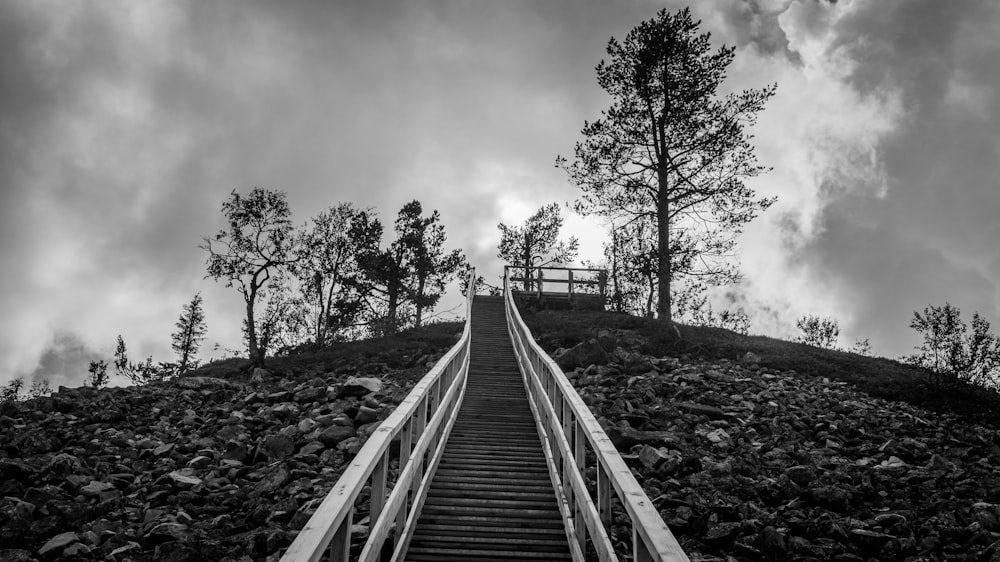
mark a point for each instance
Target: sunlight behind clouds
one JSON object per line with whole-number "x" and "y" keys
{"x": 125, "y": 125}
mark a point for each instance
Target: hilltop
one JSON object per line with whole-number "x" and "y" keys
{"x": 786, "y": 453}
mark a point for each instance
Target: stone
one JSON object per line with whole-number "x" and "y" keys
{"x": 719, "y": 437}
{"x": 654, "y": 457}
{"x": 198, "y": 383}
{"x": 722, "y": 533}
{"x": 166, "y": 531}
{"x": 200, "y": 461}
{"x": 95, "y": 488}
{"x": 259, "y": 375}
{"x": 64, "y": 463}
{"x": 710, "y": 412}
{"x": 14, "y": 469}
{"x": 184, "y": 478}
{"x": 624, "y": 438}
{"x": 937, "y": 463}
{"x": 279, "y": 446}
{"x": 771, "y": 543}
{"x": 360, "y": 386}
{"x": 802, "y": 475}
{"x": 334, "y": 434}
{"x": 365, "y": 415}
{"x": 274, "y": 480}
{"x": 583, "y": 354}
{"x": 750, "y": 358}
{"x": 16, "y": 555}
{"x": 310, "y": 394}
{"x": 14, "y": 509}
{"x": 311, "y": 448}
{"x": 163, "y": 449}
{"x": 57, "y": 543}
{"x": 831, "y": 497}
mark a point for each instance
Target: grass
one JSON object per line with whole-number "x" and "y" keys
{"x": 880, "y": 377}
{"x": 396, "y": 351}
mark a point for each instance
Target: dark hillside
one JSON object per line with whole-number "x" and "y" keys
{"x": 795, "y": 454}
{"x": 878, "y": 377}
{"x": 224, "y": 464}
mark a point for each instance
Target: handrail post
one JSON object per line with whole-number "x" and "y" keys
{"x": 571, "y": 285}
{"x": 340, "y": 544}
{"x": 378, "y": 486}
{"x": 539, "y": 284}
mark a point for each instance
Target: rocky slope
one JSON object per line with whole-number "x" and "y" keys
{"x": 748, "y": 463}
{"x": 199, "y": 468}
{"x": 744, "y": 462}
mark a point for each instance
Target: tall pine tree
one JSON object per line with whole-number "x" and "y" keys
{"x": 189, "y": 335}
{"x": 670, "y": 151}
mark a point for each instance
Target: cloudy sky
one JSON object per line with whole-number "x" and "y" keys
{"x": 124, "y": 125}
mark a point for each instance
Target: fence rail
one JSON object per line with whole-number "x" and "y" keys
{"x": 422, "y": 423}
{"x": 534, "y": 279}
{"x": 569, "y": 430}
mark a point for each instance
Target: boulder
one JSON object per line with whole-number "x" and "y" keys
{"x": 583, "y": 354}
{"x": 56, "y": 544}
{"x": 360, "y": 386}
{"x": 624, "y": 437}
{"x": 334, "y": 434}
{"x": 710, "y": 412}
{"x": 279, "y": 446}
{"x": 658, "y": 457}
{"x": 310, "y": 394}
{"x": 198, "y": 383}
{"x": 365, "y": 415}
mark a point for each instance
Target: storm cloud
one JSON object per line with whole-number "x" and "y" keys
{"x": 123, "y": 127}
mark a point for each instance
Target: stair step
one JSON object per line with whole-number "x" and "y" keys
{"x": 483, "y": 555}
{"x": 491, "y": 498}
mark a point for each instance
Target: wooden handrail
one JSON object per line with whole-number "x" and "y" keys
{"x": 440, "y": 392}
{"x": 569, "y": 428}
{"x": 530, "y": 279}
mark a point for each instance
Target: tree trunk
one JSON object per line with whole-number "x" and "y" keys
{"x": 393, "y": 291}
{"x": 663, "y": 249}
{"x": 527, "y": 263}
{"x": 419, "y": 300}
{"x": 322, "y": 314}
{"x": 616, "y": 297}
{"x": 255, "y": 357}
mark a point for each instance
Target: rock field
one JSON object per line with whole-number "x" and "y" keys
{"x": 743, "y": 462}
{"x": 199, "y": 468}
{"x": 746, "y": 463}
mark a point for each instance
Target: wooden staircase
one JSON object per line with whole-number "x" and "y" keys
{"x": 491, "y": 498}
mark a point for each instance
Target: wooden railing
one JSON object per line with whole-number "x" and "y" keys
{"x": 422, "y": 421}
{"x": 535, "y": 278}
{"x": 569, "y": 430}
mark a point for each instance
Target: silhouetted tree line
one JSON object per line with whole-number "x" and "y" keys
{"x": 330, "y": 279}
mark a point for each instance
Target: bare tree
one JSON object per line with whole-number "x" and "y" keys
{"x": 951, "y": 351}
{"x": 255, "y": 244}
{"x": 819, "y": 332}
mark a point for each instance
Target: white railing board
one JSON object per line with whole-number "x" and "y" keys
{"x": 598, "y": 534}
{"x": 329, "y": 527}
{"x": 379, "y": 531}
{"x": 654, "y": 536}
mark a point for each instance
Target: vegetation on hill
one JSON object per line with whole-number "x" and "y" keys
{"x": 879, "y": 377}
